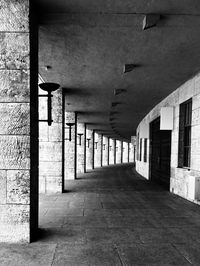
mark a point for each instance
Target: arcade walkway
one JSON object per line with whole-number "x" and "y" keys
{"x": 112, "y": 216}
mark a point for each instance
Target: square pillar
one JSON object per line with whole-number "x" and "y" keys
{"x": 114, "y": 143}
{"x": 125, "y": 152}
{"x": 122, "y": 150}
{"x": 118, "y": 152}
{"x": 18, "y": 123}
{"x": 50, "y": 144}
{"x": 105, "y": 151}
{"x": 70, "y": 146}
{"x": 80, "y": 148}
{"x": 111, "y": 151}
{"x": 89, "y": 149}
{"x": 97, "y": 150}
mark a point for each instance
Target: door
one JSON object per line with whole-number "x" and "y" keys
{"x": 160, "y": 154}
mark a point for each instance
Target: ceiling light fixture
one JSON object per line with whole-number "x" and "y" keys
{"x": 150, "y": 20}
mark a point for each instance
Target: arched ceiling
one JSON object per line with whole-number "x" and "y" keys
{"x": 87, "y": 43}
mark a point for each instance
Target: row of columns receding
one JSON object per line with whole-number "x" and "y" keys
{"x": 86, "y": 149}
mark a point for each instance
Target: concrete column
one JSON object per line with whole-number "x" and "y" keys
{"x": 122, "y": 151}
{"x": 70, "y": 146}
{"x": 128, "y": 152}
{"x": 80, "y": 147}
{"x": 89, "y": 149}
{"x": 108, "y": 150}
{"x": 105, "y": 151}
{"x": 133, "y": 142}
{"x": 118, "y": 152}
{"x": 93, "y": 148}
{"x": 114, "y": 143}
{"x": 18, "y": 123}
{"x": 50, "y": 144}
{"x": 131, "y": 153}
{"x": 125, "y": 152}
{"x": 98, "y": 150}
{"x": 111, "y": 152}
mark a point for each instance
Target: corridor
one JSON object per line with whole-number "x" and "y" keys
{"x": 112, "y": 216}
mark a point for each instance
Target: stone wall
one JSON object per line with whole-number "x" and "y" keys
{"x": 50, "y": 144}
{"x": 18, "y": 124}
{"x": 184, "y": 182}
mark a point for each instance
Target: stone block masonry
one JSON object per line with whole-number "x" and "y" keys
{"x": 80, "y": 147}
{"x": 98, "y": 150}
{"x": 105, "y": 151}
{"x": 89, "y": 149}
{"x": 70, "y": 146}
{"x": 18, "y": 123}
{"x": 50, "y": 145}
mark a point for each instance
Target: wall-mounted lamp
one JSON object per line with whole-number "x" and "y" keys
{"x": 116, "y": 148}
{"x": 104, "y": 147}
{"x": 96, "y": 142}
{"x": 80, "y": 136}
{"x": 88, "y": 143}
{"x": 48, "y": 87}
{"x": 70, "y": 125}
{"x": 110, "y": 148}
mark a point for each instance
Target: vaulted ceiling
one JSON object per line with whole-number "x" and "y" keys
{"x": 86, "y": 43}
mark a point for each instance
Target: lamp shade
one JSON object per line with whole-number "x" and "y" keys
{"x": 48, "y": 86}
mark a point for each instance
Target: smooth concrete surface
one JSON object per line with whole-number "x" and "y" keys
{"x": 112, "y": 216}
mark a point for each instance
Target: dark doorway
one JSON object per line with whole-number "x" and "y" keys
{"x": 160, "y": 146}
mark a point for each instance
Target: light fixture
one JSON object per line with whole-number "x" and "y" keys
{"x": 119, "y": 91}
{"x": 128, "y": 67}
{"x": 80, "y": 136}
{"x": 110, "y": 148}
{"x": 104, "y": 147}
{"x": 88, "y": 140}
{"x": 70, "y": 125}
{"x": 150, "y": 20}
{"x": 116, "y": 148}
{"x": 49, "y": 88}
{"x": 96, "y": 142}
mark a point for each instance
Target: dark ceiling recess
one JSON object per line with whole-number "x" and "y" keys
{"x": 150, "y": 21}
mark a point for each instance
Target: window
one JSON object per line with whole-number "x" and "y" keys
{"x": 184, "y": 152}
{"x": 145, "y": 150}
{"x": 140, "y": 149}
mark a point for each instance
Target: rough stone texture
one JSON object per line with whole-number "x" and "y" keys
{"x": 118, "y": 152}
{"x": 15, "y": 152}
{"x": 80, "y": 158}
{"x": 89, "y": 150}
{"x": 18, "y": 207}
{"x": 18, "y": 187}
{"x": 3, "y": 190}
{"x": 98, "y": 151}
{"x": 105, "y": 151}
{"x": 70, "y": 147}
{"x": 111, "y": 151}
{"x": 131, "y": 153}
{"x": 183, "y": 182}
{"x": 14, "y": 119}
{"x": 14, "y": 84}
{"x": 50, "y": 145}
{"x": 14, "y": 51}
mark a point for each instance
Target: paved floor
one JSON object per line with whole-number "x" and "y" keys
{"x": 111, "y": 216}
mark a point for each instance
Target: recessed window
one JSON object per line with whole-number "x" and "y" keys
{"x": 184, "y": 153}
{"x": 140, "y": 149}
{"x": 145, "y": 150}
